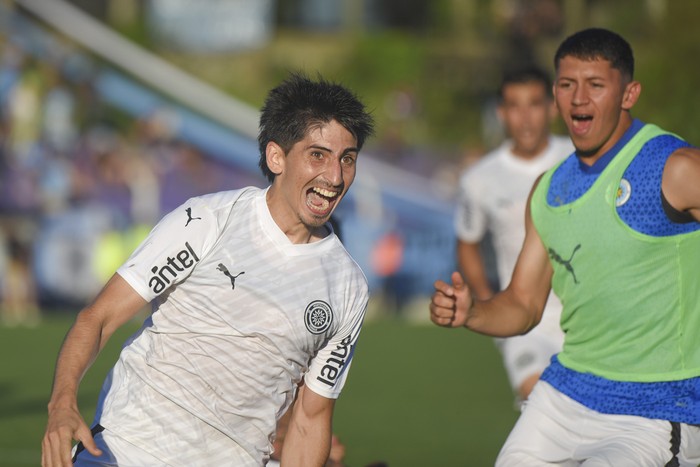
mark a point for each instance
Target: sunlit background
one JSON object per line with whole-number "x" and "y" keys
{"x": 113, "y": 112}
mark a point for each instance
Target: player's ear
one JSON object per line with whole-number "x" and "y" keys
{"x": 552, "y": 110}
{"x": 275, "y": 157}
{"x": 632, "y": 92}
{"x": 500, "y": 113}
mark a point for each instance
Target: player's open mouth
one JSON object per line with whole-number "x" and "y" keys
{"x": 581, "y": 123}
{"x": 319, "y": 200}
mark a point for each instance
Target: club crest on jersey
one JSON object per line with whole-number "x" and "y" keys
{"x": 174, "y": 265}
{"x": 624, "y": 191}
{"x": 318, "y": 317}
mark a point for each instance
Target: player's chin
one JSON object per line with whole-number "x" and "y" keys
{"x": 315, "y": 221}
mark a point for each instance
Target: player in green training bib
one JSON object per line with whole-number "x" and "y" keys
{"x": 614, "y": 230}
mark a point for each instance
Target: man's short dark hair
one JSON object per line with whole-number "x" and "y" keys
{"x": 595, "y": 44}
{"x": 524, "y": 75}
{"x": 298, "y": 103}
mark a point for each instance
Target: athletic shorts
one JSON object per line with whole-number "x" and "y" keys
{"x": 115, "y": 452}
{"x": 529, "y": 354}
{"x": 555, "y": 430}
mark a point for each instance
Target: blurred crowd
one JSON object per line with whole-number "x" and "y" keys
{"x": 90, "y": 159}
{"x": 80, "y": 184}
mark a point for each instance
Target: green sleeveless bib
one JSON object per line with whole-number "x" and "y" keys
{"x": 631, "y": 301}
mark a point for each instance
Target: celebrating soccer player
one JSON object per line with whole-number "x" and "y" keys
{"x": 615, "y": 231}
{"x": 255, "y": 305}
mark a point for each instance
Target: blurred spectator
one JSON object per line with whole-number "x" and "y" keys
{"x": 58, "y": 113}
{"x": 78, "y": 174}
{"x": 19, "y": 303}
{"x": 24, "y": 114}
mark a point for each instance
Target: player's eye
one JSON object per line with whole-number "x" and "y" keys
{"x": 348, "y": 159}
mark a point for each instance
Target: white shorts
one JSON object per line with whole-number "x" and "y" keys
{"x": 555, "y": 430}
{"x": 524, "y": 356}
{"x": 116, "y": 451}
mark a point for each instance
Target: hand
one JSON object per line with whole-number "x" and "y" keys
{"x": 451, "y": 305}
{"x": 337, "y": 453}
{"x": 65, "y": 425}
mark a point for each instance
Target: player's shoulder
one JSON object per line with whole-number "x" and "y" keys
{"x": 206, "y": 215}
{"x": 224, "y": 199}
{"x": 345, "y": 262}
{"x": 489, "y": 164}
{"x": 343, "y": 255}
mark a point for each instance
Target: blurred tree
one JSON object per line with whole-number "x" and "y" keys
{"x": 667, "y": 65}
{"x": 449, "y": 55}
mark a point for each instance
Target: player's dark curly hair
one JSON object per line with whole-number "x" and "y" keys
{"x": 524, "y": 75}
{"x": 598, "y": 43}
{"x": 299, "y": 103}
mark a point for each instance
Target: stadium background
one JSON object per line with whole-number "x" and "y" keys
{"x": 114, "y": 112}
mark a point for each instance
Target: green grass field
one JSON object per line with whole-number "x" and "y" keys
{"x": 417, "y": 395}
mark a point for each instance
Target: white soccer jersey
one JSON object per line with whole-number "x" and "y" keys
{"x": 493, "y": 195}
{"x": 240, "y": 316}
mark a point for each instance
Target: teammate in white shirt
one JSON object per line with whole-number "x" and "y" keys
{"x": 493, "y": 194}
{"x": 256, "y": 305}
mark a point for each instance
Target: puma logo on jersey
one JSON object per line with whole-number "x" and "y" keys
{"x": 174, "y": 265}
{"x": 335, "y": 363}
{"x": 189, "y": 216}
{"x": 565, "y": 262}
{"x": 223, "y": 269}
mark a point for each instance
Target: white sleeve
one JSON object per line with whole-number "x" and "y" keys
{"x": 328, "y": 370}
{"x": 470, "y": 218}
{"x": 172, "y": 249}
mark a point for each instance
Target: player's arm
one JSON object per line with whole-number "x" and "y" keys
{"x": 471, "y": 263}
{"x": 681, "y": 181}
{"x": 515, "y": 310}
{"x": 308, "y": 439}
{"x": 115, "y": 305}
